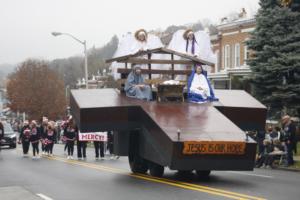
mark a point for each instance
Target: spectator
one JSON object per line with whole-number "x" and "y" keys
{"x": 279, "y": 132}
{"x": 273, "y": 134}
{"x": 260, "y": 137}
{"x": 289, "y": 133}
{"x": 264, "y": 159}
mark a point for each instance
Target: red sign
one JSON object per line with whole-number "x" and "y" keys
{"x": 96, "y": 136}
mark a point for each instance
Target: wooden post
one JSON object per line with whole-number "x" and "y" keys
{"x": 126, "y": 66}
{"x": 149, "y": 65}
{"x": 172, "y": 66}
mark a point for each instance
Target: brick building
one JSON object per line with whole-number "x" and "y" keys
{"x": 229, "y": 46}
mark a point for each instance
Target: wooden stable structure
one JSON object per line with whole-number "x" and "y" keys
{"x": 180, "y": 135}
{"x": 138, "y": 58}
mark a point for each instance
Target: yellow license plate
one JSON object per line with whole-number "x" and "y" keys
{"x": 208, "y": 147}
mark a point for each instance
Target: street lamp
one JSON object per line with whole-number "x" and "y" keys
{"x": 85, "y": 53}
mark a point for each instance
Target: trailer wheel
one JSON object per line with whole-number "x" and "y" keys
{"x": 156, "y": 170}
{"x": 203, "y": 173}
{"x": 137, "y": 164}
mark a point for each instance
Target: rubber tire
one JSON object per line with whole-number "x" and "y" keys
{"x": 137, "y": 164}
{"x": 156, "y": 170}
{"x": 203, "y": 173}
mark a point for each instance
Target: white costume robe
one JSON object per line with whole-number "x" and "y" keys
{"x": 128, "y": 44}
{"x": 199, "y": 81}
{"x": 202, "y": 48}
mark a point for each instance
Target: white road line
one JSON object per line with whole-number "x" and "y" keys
{"x": 248, "y": 174}
{"x": 44, "y": 197}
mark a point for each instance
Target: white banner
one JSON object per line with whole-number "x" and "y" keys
{"x": 95, "y": 136}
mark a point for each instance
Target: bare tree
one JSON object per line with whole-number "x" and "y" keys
{"x": 37, "y": 90}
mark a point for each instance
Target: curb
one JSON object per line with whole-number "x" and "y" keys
{"x": 287, "y": 169}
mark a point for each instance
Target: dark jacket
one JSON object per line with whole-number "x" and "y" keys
{"x": 51, "y": 135}
{"x": 1, "y": 132}
{"x": 35, "y": 135}
{"x": 70, "y": 133}
{"x": 43, "y": 131}
{"x": 289, "y": 133}
{"x": 25, "y": 134}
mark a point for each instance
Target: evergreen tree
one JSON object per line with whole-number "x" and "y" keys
{"x": 275, "y": 62}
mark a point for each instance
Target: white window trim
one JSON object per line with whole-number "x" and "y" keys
{"x": 245, "y": 54}
{"x": 226, "y": 56}
{"x": 237, "y": 53}
{"x": 217, "y": 66}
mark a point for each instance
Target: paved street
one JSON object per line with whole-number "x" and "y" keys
{"x": 58, "y": 178}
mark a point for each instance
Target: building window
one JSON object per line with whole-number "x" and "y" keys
{"x": 246, "y": 54}
{"x": 226, "y": 56}
{"x": 237, "y": 53}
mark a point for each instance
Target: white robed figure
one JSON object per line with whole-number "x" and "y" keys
{"x": 135, "y": 86}
{"x": 193, "y": 43}
{"x": 199, "y": 88}
{"x": 133, "y": 43}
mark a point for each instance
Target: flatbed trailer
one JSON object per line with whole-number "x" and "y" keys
{"x": 179, "y": 135}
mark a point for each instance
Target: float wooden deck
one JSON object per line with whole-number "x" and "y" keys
{"x": 107, "y": 109}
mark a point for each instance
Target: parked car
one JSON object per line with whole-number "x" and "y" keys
{"x": 10, "y": 136}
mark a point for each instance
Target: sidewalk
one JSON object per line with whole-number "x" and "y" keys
{"x": 295, "y": 167}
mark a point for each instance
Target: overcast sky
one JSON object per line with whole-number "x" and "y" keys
{"x": 26, "y": 24}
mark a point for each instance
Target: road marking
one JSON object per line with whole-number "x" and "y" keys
{"x": 249, "y": 174}
{"x": 184, "y": 185}
{"x": 44, "y": 196}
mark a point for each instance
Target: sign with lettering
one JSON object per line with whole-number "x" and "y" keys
{"x": 95, "y": 136}
{"x": 214, "y": 147}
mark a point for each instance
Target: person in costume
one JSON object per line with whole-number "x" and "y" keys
{"x": 193, "y": 43}
{"x": 133, "y": 43}
{"x": 135, "y": 86}
{"x": 35, "y": 139}
{"x": 199, "y": 88}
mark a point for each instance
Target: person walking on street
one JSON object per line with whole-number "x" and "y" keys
{"x": 50, "y": 138}
{"x": 35, "y": 139}
{"x": 81, "y": 148}
{"x": 63, "y": 137}
{"x": 99, "y": 148}
{"x": 110, "y": 145}
{"x": 24, "y": 138}
{"x": 43, "y": 132}
{"x": 70, "y": 136}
